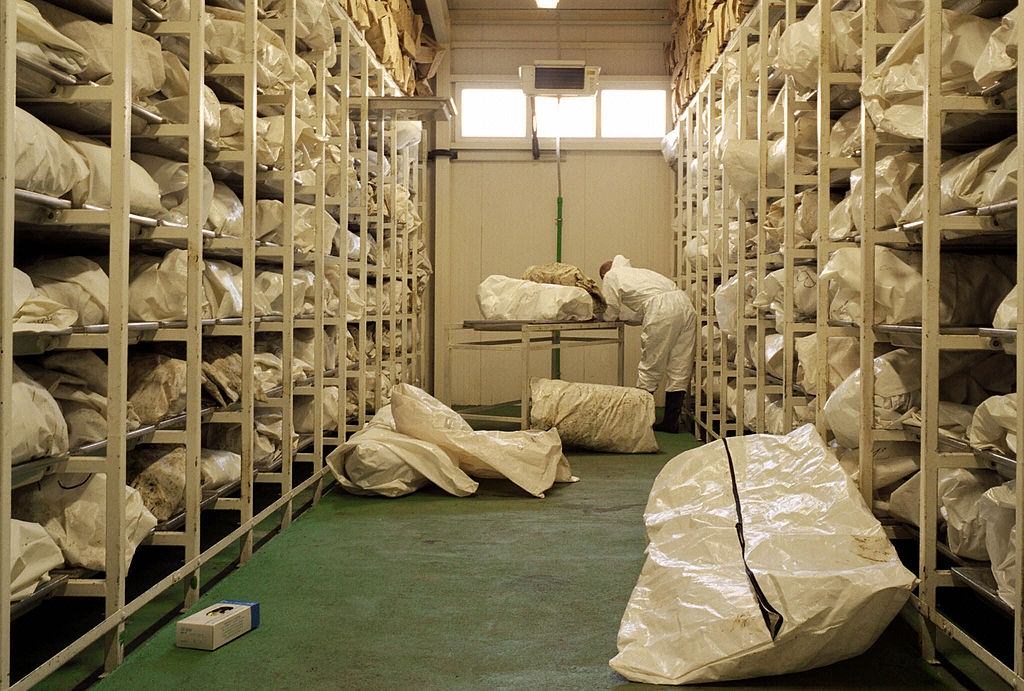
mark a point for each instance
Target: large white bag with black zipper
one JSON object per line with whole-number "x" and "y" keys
{"x": 762, "y": 559}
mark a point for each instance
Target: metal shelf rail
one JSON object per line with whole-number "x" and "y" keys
{"x": 356, "y": 109}
{"x": 710, "y": 241}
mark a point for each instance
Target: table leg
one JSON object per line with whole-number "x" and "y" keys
{"x": 622, "y": 354}
{"x": 524, "y": 405}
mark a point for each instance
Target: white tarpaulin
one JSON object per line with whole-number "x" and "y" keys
{"x": 959, "y": 493}
{"x": 77, "y": 283}
{"x": 531, "y": 460}
{"x": 43, "y": 161}
{"x": 997, "y": 509}
{"x": 511, "y": 299}
{"x": 964, "y": 180}
{"x": 762, "y": 560}
{"x": 1000, "y": 54}
{"x": 72, "y": 509}
{"x": 77, "y": 379}
{"x": 378, "y": 460}
{"x": 33, "y": 311}
{"x": 893, "y": 91}
{"x": 33, "y": 555}
{"x": 616, "y": 419}
{"x": 38, "y": 427}
{"x": 1006, "y": 313}
{"x": 994, "y": 425}
{"x": 970, "y": 286}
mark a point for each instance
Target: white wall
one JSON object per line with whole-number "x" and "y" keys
{"x": 503, "y": 220}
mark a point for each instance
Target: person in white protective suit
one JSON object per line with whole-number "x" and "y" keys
{"x": 646, "y": 298}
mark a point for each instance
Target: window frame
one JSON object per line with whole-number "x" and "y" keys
{"x": 597, "y": 143}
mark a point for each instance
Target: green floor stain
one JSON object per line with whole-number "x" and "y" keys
{"x": 498, "y": 590}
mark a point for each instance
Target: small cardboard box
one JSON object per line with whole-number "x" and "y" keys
{"x": 216, "y": 625}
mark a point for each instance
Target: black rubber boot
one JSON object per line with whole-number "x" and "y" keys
{"x": 673, "y": 409}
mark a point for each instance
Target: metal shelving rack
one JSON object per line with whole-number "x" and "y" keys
{"x": 702, "y": 188}
{"x": 343, "y": 106}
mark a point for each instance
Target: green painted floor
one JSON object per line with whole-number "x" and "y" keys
{"x": 494, "y": 591}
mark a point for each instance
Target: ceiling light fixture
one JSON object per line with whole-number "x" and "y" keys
{"x": 547, "y": 4}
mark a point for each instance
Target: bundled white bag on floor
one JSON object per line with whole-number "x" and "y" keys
{"x": 378, "y": 460}
{"x": 72, "y": 509}
{"x": 994, "y": 425}
{"x": 34, "y": 312}
{"x": 997, "y": 509}
{"x": 44, "y": 162}
{"x": 893, "y": 91}
{"x": 1006, "y": 313}
{"x": 531, "y": 460}
{"x": 33, "y": 555}
{"x": 1000, "y": 54}
{"x": 39, "y": 429}
{"x": 511, "y": 299}
{"x": 77, "y": 283}
{"x": 616, "y": 419}
{"x": 960, "y": 492}
{"x": 779, "y": 570}
{"x": 970, "y": 287}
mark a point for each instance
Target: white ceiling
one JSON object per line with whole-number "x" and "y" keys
{"x": 563, "y": 4}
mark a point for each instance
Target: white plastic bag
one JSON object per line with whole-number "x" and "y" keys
{"x": 33, "y": 555}
{"x": 805, "y": 293}
{"x": 800, "y": 44}
{"x": 43, "y": 161}
{"x": 970, "y": 287}
{"x": 39, "y": 429}
{"x": 616, "y": 419}
{"x": 77, "y": 283}
{"x": 72, "y": 509}
{"x": 727, "y": 300}
{"x": 511, "y": 299}
{"x": 531, "y": 460}
{"x": 158, "y": 286}
{"x": 378, "y": 460}
{"x": 1000, "y": 54}
{"x": 219, "y": 468}
{"x": 842, "y": 359}
{"x": 893, "y": 91}
{"x": 891, "y": 462}
{"x": 813, "y": 579}
{"x": 959, "y": 493}
{"x": 34, "y": 311}
{"x": 994, "y": 425}
{"x": 1006, "y": 313}
{"x": 997, "y": 508}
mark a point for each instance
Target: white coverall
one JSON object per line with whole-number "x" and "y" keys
{"x": 669, "y": 323}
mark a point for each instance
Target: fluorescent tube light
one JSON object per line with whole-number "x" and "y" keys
{"x": 547, "y": 4}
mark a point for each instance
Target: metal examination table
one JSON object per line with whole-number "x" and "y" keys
{"x": 527, "y": 337}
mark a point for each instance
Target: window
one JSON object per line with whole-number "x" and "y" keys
{"x": 566, "y": 117}
{"x": 630, "y": 113}
{"x": 493, "y": 113}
